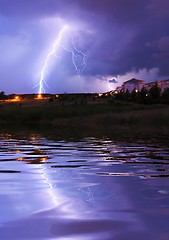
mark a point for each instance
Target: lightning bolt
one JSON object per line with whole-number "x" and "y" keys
{"x": 83, "y": 64}
{"x": 75, "y": 53}
{"x": 56, "y": 44}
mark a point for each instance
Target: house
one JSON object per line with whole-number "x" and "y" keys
{"x": 164, "y": 84}
{"x": 149, "y": 85}
{"x": 137, "y": 85}
{"x": 133, "y": 84}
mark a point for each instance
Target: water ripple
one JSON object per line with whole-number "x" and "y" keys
{"x": 123, "y": 185}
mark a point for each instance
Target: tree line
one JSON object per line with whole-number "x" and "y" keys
{"x": 2, "y": 95}
{"x": 144, "y": 96}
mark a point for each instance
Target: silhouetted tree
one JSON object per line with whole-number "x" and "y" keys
{"x": 133, "y": 96}
{"x": 51, "y": 99}
{"x": 119, "y": 96}
{"x": 154, "y": 94}
{"x": 2, "y": 95}
{"x": 143, "y": 96}
{"x": 165, "y": 96}
{"x": 127, "y": 96}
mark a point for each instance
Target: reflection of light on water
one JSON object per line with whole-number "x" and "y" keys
{"x": 92, "y": 191}
{"x": 45, "y": 178}
{"x": 55, "y": 197}
{"x": 18, "y": 151}
{"x": 43, "y": 159}
{"x": 55, "y": 201}
{"x": 20, "y": 159}
{"x": 89, "y": 193}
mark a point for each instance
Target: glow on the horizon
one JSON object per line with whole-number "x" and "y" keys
{"x": 39, "y": 96}
{"x": 15, "y": 99}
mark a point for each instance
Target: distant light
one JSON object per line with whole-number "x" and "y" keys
{"x": 56, "y": 95}
{"x": 136, "y": 90}
{"x": 17, "y": 98}
{"x": 100, "y": 94}
{"x": 39, "y": 96}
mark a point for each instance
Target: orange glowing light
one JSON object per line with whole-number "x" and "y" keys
{"x": 17, "y": 98}
{"x": 43, "y": 158}
{"x": 39, "y": 96}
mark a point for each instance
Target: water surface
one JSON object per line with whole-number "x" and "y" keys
{"x": 90, "y": 189}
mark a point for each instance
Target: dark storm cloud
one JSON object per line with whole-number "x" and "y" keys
{"x": 118, "y": 36}
{"x": 128, "y": 35}
{"x": 112, "y": 81}
{"x": 124, "y": 12}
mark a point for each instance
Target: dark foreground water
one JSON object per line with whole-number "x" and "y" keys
{"x": 87, "y": 190}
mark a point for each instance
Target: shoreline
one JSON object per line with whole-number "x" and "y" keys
{"x": 118, "y": 121}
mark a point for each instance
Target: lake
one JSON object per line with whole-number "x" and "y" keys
{"x": 91, "y": 189}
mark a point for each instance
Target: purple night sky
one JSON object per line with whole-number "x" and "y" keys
{"x": 121, "y": 39}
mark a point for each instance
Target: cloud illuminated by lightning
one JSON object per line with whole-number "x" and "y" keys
{"x": 75, "y": 53}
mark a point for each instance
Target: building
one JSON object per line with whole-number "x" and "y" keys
{"x": 149, "y": 85}
{"x": 133, "y": 84}
{"x": 137, "y": 85}
{"x": 164, "y": 84}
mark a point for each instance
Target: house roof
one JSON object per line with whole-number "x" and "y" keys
{"x": 134, "y": 80}
{"x": 167, "y": 80}
{"x": 151, "y": 83}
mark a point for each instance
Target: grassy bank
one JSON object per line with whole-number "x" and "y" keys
{"x": 117, "y": 120}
